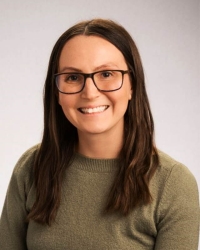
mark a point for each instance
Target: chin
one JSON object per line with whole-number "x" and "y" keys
{"x": 94, "y": 131}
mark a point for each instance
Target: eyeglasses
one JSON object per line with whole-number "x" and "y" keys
{"x": 106, "y": 81}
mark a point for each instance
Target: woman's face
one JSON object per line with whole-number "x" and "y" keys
{"x": 92, "y": 111}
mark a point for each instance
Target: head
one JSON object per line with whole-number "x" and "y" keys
{"x": 130, "y": 187}
{"x": 138, "y": 107}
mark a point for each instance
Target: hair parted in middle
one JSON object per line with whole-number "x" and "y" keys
{"x": 139, "y": 157}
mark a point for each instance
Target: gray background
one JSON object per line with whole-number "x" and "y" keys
{"x": 168, "y": 37}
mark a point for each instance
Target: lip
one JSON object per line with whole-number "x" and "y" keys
{"x": 93, "y": 109}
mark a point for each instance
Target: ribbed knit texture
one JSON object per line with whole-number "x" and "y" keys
{"x": 170, "y": 222}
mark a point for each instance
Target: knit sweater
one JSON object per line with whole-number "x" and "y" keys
{"x": 170, "y": 222}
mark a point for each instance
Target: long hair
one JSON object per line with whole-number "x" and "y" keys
{"x": 139, "y": 158}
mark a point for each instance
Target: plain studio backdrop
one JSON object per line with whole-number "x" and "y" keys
{"x": 167, "y": 34}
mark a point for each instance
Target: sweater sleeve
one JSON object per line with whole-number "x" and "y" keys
{"x": 13, "y": 225}
{"x": 178, "y": 213}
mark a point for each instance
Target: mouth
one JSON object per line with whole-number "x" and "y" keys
{"x": 98, "y": 109}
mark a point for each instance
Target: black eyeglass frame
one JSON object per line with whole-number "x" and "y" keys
{"x": 91, "y": 75}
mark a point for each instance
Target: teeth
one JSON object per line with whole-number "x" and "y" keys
{"x": 93, "y": 110}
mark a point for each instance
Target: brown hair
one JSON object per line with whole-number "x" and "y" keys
{"x": 138, "y": 155}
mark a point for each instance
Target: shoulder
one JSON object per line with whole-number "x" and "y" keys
{"x": 173, "y": 180}
{"x": 176, "y": 205}
{"x": 24, "y": 165}
{"x": 172, "y": 168}
{"x": 26, "y": 160}
{"x": 169, "y": 167}
{"x": 22, "y": 178}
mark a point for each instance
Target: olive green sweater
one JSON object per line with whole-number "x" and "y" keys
{"x": 170, "y": 222}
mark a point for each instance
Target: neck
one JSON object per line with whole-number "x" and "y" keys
{"x": 99, "y": 145}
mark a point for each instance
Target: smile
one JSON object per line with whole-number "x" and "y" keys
{"x": 93, "y": 110}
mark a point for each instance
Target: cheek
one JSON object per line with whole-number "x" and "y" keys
{"x": 66, "y": 103}
{"x": 65, "y": 100}
{"x": 120, "y": 101}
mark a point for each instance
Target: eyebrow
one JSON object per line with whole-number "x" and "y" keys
{"x": 101, "y": 67}
{"x": 70, "y": 69}
{"x": 105, "y": 66}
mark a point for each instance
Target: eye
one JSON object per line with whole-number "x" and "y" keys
{"x": 71, "y": 77}
{"x": 106, "y": 74}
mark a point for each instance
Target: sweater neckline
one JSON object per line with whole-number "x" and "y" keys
{"x": 94, "y": 164}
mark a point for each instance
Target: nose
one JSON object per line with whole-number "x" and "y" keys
{"x": 89, "y": 91}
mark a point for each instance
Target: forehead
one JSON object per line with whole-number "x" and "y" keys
{"x": 92, "y": 51}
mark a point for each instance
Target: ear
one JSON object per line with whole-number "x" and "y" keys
{"x": 58, "y": 97}
{"x": 130, "y": 94}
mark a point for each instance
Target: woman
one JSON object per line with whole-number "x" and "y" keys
{"x": 97, "y": 181}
